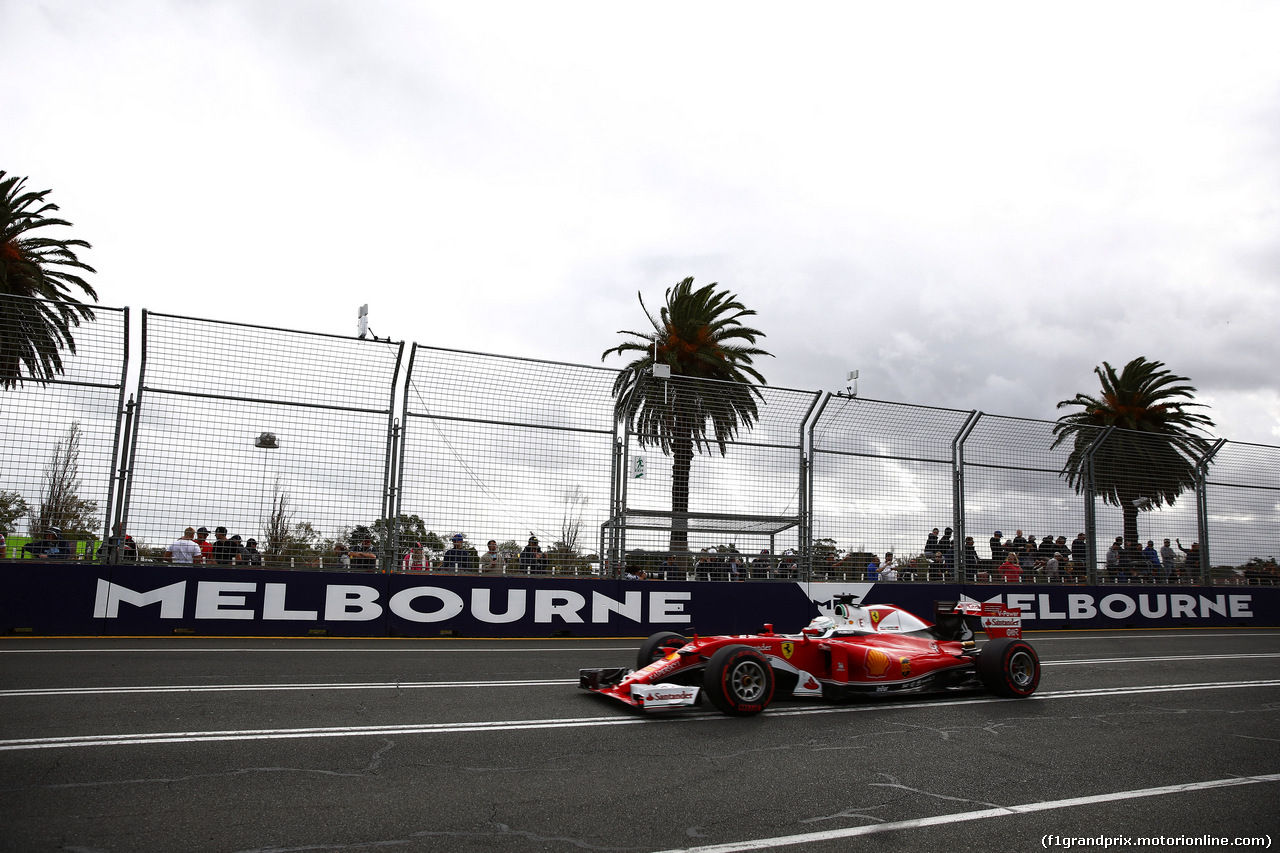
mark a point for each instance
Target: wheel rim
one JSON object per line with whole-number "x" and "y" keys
{"x": 1022, "y": 669}
{"x": 747, "y": 681}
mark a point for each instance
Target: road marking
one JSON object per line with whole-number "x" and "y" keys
{"x": 570, "y": 722}
{"x": 253, "y": 688}
{"x": 981, "y": 814}
{"x": 1160, "y": 658}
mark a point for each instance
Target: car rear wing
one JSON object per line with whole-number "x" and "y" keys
{"x": 959, "y": 620}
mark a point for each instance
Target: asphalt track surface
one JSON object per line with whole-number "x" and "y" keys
{"x": 356, "y": 745}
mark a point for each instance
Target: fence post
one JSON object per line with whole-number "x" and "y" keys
{"x": 1090, "y": 507}
{"x": 812, "y": 417}
{"x": 957, "y": 496}
{"x": 1202, "y": 508}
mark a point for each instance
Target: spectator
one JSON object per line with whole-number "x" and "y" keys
{"x": 1192, "y": 566}
{"x": 760, "y": 566}
{"x": 1080, "y": 551}
{"x": 1010, "y": 569}
{"x": 946, "y": 548}
{"x": 237, "y": 549}
{"x": 50, "y": 547}
{"x": 1052, "y": 570}
{"x": 888, "y": 570}
{"x": 457, "y": 558}
{"x": 630, "y": 574}
{"x": 1168, "y": 561}
{"x": 119, "y": 548}
{"x": 532, "y": 560}
{"x": 224, "y": 552}
{"x": 366, "y": 559}
{"x": 415, "y": 559}
{"x": 1152, "y": 557}
{"x": 491, "y": 562}
{"x": 186, "y": 550}
{"x": 341, "y": 556}
{"x": 970, "y": 555}
{"x": 4, "y": 547}
{"x": 789, "y": 566}
{"x": 206, "y": 547}
{"x": 997, "y": 548}
{"x": 873, "y": 568}
{"x": 1113, "y": 558}
{"x": 252, "y": 556}
{"x": 931, "y": 542}
{"x": 1045, "y": 552}
{"x": 1019, "y": 542}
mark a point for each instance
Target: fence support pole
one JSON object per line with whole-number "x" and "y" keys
{"x": 958, "y": 554}
{"x": 1202, "y": 509}
{"x": 1090, "y": 506}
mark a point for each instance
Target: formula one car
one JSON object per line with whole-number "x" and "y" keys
{"x": 874, "y": 650}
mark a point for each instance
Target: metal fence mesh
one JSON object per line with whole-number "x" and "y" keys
{"x": 748, "y": 498}
{"x": 38, "y": 422}
{"x": 290, "y": 438}
{"x": 1243, "y": 498}
{"x": 506, "y": 448}
{"x": 882, "y": 478}
{"x": 279, "y": 436}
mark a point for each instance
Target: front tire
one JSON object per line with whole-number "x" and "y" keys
{"x": 658, "y": 647}
{"x": 739, "y": 681}
{"x": 1009, "y": 668}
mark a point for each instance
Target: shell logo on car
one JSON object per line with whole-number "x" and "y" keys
{"x": 877, "y": 663}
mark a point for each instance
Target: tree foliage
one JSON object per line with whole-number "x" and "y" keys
{"x": 60, "y": 503}
{"x": 12, "y": 508}
{"x": 1151, "y": 457}
{"x": 699, "y": 334}
{"x": 38, "y": 277}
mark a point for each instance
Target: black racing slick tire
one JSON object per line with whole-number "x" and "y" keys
{"x": 1009, "y": 668}
{"x": 739, "y": 681}
{"x": 658, "y": 646}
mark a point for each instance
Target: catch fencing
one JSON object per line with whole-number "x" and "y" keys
{"x": 312, "y": 444}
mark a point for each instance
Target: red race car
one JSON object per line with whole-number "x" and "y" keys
{"x": 877, "y": 649}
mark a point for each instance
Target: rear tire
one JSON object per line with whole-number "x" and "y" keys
{"x": 739, "y": 681}
{"x": 658, "y": 646}
{"x": 1009, "y": 668}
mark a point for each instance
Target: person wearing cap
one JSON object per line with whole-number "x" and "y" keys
{"x": 532, "y": 560}
{"x": 50, "y": 547}
{"x": 1052, "y": 566}
{"x": 491, "y": 561}
{"x": 251, "y": 555}
{"x": 225, "y": 551}
{"x": 415, "y": 559}
{"x": 185, "y": 551}
{"x": 997, "y": 548}
{"x": 457, "y": 558}
{"x": 206, "y": 547}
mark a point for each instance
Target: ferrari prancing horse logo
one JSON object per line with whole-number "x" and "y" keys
{"x": 788, "y": 649}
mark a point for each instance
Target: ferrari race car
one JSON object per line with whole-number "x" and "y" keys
{"x": 875, "y": 650}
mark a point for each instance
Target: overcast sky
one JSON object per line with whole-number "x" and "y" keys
{"x": 973, "y": 204}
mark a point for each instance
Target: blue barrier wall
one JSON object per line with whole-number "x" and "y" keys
{"x": 158, "y": 600}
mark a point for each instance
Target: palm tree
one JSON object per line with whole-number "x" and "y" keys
{"x": 1152, "y": 455}
{"x": 699, "y": 335}
{"x": 37, "y": 275}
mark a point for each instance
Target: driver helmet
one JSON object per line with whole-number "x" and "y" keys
{"x": 823, "y": 624}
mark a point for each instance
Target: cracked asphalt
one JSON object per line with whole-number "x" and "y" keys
{"x": 351, "y": 745}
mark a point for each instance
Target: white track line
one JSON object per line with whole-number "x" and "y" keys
{"x": 571, "y": 722}
{"x": 962, "y": 817}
